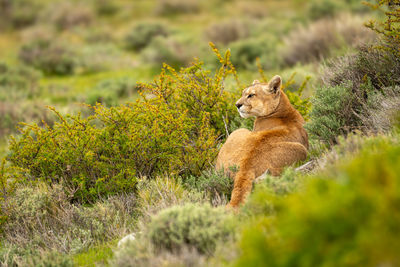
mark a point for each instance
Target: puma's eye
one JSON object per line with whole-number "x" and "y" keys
{"x": 250, "y": 95}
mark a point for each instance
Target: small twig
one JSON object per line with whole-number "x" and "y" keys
{"x": 262, "y": 177}
{"x": 306, "y": 167}
{"x": 226, "y": 127}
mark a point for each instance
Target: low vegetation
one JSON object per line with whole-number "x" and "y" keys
{"x": 104, "y": 144}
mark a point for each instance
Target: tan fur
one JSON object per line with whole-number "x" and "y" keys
{"x": 278, "y": 138}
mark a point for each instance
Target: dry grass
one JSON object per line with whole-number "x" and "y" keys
{"x": 66, "y": 15}
{"x": 384, "y": 110}
{"x": 41, "y": 218}
{"x": 317, "y": 41}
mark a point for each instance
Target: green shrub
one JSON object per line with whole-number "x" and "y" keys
{"x": 174, "y": 7}
{"x": 353, "y": 85}
{"x": 326, "y": 8}
{"x": 345, "y": 216}
{"x": 245, "y": 52}
{"x": 51, "y": 259}
{"x": 175, "y": 128}
{"x": 19, "y": 13}
{"x": 110, "y": 92}
{"x": 213, "y": 183}
{"x": 99, "y": 57}
{"x": 166, "y": 50}
{"x": 196, "y": 226}
{"x": 106, "y": 7}
{"x": 18, "y": 82}
{"x": 49, "y": 56}
{"x": 332, "y": 113}
{"x": 142, "y": 35}
{"x": 76, "y": 151}
{"x": 227, "y": 31}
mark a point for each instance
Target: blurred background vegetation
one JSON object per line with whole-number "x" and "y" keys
{"x": 128, "y": 142}
{"x": 62, "y": 53}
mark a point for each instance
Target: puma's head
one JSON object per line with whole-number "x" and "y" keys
{"x": 260, "y": 99}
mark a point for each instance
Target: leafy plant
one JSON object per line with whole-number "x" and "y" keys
{"x": 389, "y": 28}
{"x": 350, "y": 218}
{"x": 174, "y": 128}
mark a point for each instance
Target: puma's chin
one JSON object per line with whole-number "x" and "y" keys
{"x": 244, "y": 115}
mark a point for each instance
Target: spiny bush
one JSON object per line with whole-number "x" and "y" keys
{"x": 350, "y": 217}
{"x": 174, "y": 7}
{"x": 143, "y": 33}
{"x": 87, "y": 158}
{"x": 110, "y": 92}
{"x": 226, "y": 32}
{"x": 195, "y": 226}
{"x": 49, "y": 56}
{"x": 389, "y": 28}
{"x": 174, "y": 129}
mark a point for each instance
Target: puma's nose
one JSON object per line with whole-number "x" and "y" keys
{"x": 238, "y": 105}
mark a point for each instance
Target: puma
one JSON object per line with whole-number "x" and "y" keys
{"x": 278, "y": 138}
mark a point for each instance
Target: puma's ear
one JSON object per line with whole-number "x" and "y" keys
{"x": 256, "y": 81}
{"x": 275, "y": 83}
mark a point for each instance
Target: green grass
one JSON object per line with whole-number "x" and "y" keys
{"x": 82, "y": 83}
{"x": 96, "y": 255}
